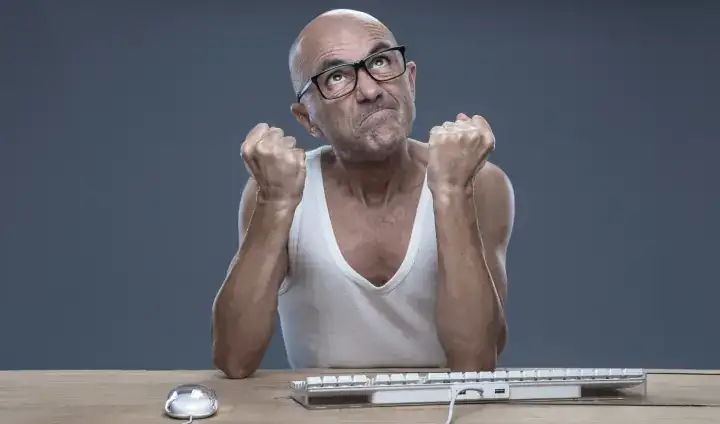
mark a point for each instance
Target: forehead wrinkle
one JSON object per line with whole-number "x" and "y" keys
{"x": 320, "y": 35}
{"x": 331, "y": 59}
{"x": 337, "y": 53}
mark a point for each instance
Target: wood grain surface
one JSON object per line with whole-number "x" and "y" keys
{"x": 137, "y": 397}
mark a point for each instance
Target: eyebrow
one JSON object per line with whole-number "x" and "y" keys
{"x": 330, "y": 63}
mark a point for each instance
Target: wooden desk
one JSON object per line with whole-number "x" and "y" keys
{"x": 137, "y": 397}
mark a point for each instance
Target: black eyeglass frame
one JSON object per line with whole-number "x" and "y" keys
{"x": 360, "y": 64}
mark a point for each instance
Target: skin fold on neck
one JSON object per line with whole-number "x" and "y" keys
{"x": 376, "y": 183}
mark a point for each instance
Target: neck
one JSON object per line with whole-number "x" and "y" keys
{"x": 375, "y": 183}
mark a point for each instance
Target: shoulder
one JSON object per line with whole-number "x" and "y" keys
{"x": 495, "y": 201}
{"x": 492, "y": 183}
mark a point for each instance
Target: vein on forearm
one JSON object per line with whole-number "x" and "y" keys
{"x": 468, "y": 310}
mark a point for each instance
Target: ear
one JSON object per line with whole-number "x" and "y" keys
{"x": 300, "y": 113}
{"x": 412, "y": 71}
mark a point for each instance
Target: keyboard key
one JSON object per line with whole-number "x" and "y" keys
{"x": 615, "y": 373}
{"x": 359, "y": 380}
{"x": 634, "y": 372}
{"x": 438, "y": 377}
{"x": 329, "y": 381}
{"x": 557, "y": 374}
{"x": 412, "y": 378}
{"x": 344, "y": 380}
{"x": 397, "y": 379}
{"x": 382, "y": 379}
{"x": 314, "y": 381}
{"x": 456, "y": 377}
{"x": 471, "y": 376}
{"x": 486, "y": 376}
{"x": 602, "y": 373}
{"x": 529, "y": 375}
{"x": 587, "y": 373}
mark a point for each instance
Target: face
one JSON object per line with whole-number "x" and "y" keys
{"x": 372, "y": 121}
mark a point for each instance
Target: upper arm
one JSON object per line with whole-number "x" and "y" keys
{"x": 495, "y": 207}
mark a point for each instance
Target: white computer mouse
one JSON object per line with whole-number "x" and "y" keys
{"x": 191, "y": 401}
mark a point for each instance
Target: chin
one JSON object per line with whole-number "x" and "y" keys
{"x": 383, "y": 142}
{"x": 379, "y": 139}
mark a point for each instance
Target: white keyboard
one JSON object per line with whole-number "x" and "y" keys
{"x": 356, "y": 390}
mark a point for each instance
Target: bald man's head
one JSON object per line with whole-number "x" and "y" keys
{"x": 322, "y": 29}
{"x": 364, "y": 111}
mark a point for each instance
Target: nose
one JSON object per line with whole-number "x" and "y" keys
{"x": 367, "y": 90}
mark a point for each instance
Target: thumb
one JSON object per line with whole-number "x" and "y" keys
{"x": 462, "y": 117}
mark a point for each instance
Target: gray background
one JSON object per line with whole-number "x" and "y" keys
{"x": 120, "y": 173}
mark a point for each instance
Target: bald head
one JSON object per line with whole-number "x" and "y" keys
{"x": 364, "y": 114}
{"x": 338, "y": 26}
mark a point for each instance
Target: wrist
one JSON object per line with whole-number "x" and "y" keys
{"x": 271, "y": 215}
{"x": 448, "y": 193}
{"x": 278, "y": 206}
{"x": 271, "y": 221}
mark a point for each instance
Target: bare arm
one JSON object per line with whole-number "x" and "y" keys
{"x": 473, "y": 232}
{"x": 244, "y": 309}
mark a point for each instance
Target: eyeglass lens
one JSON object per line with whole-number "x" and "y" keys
{"x": 339, "y": 81}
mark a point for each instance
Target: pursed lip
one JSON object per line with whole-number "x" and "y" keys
{"x": 377, "y": 111}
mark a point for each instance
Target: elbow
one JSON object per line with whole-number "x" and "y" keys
{"x": 232, "y": 365}
{"x": 482, "y": 356}
{"x": 476, "y": 353}
{"x": 233, "y": 369}
{"x": 226, "y": 359}
{"x": 237, "y": 373}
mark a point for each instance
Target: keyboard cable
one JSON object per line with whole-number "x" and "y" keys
{"x": 454, "y": 393}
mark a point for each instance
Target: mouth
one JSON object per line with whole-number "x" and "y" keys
{"x": 374, "y": 114}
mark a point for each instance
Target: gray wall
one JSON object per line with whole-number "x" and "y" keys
{"x": 120, "y": 172}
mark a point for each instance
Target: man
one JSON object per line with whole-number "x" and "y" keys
{"x": 369, "y": 248}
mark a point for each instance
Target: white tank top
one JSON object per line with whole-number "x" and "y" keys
{"x": 332, "y": 317}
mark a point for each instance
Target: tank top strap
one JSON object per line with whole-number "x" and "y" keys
{"x": 313, "y": 167}
{"x": 313, "y": 182}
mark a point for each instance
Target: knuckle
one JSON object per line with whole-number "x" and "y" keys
{"x": 289, "y": 158}
{"x": 263, "y": 148}
{"x": 245, "y": 150}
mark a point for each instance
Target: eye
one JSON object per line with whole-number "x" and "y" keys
{"x": 334, "y": 78}
{"x": 379, "y": 61}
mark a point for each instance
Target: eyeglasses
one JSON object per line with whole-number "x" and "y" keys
{"x": 341, "y": 80}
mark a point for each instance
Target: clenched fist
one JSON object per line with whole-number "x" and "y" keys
{"x": 457, "y": 152}
{"x": 276, "y": 165}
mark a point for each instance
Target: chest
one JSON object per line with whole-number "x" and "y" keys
{"x": 373, "y": 240}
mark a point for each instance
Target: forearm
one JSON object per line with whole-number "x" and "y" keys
{"x": 244, "y": 310}
{"x": 469, "y": 313}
